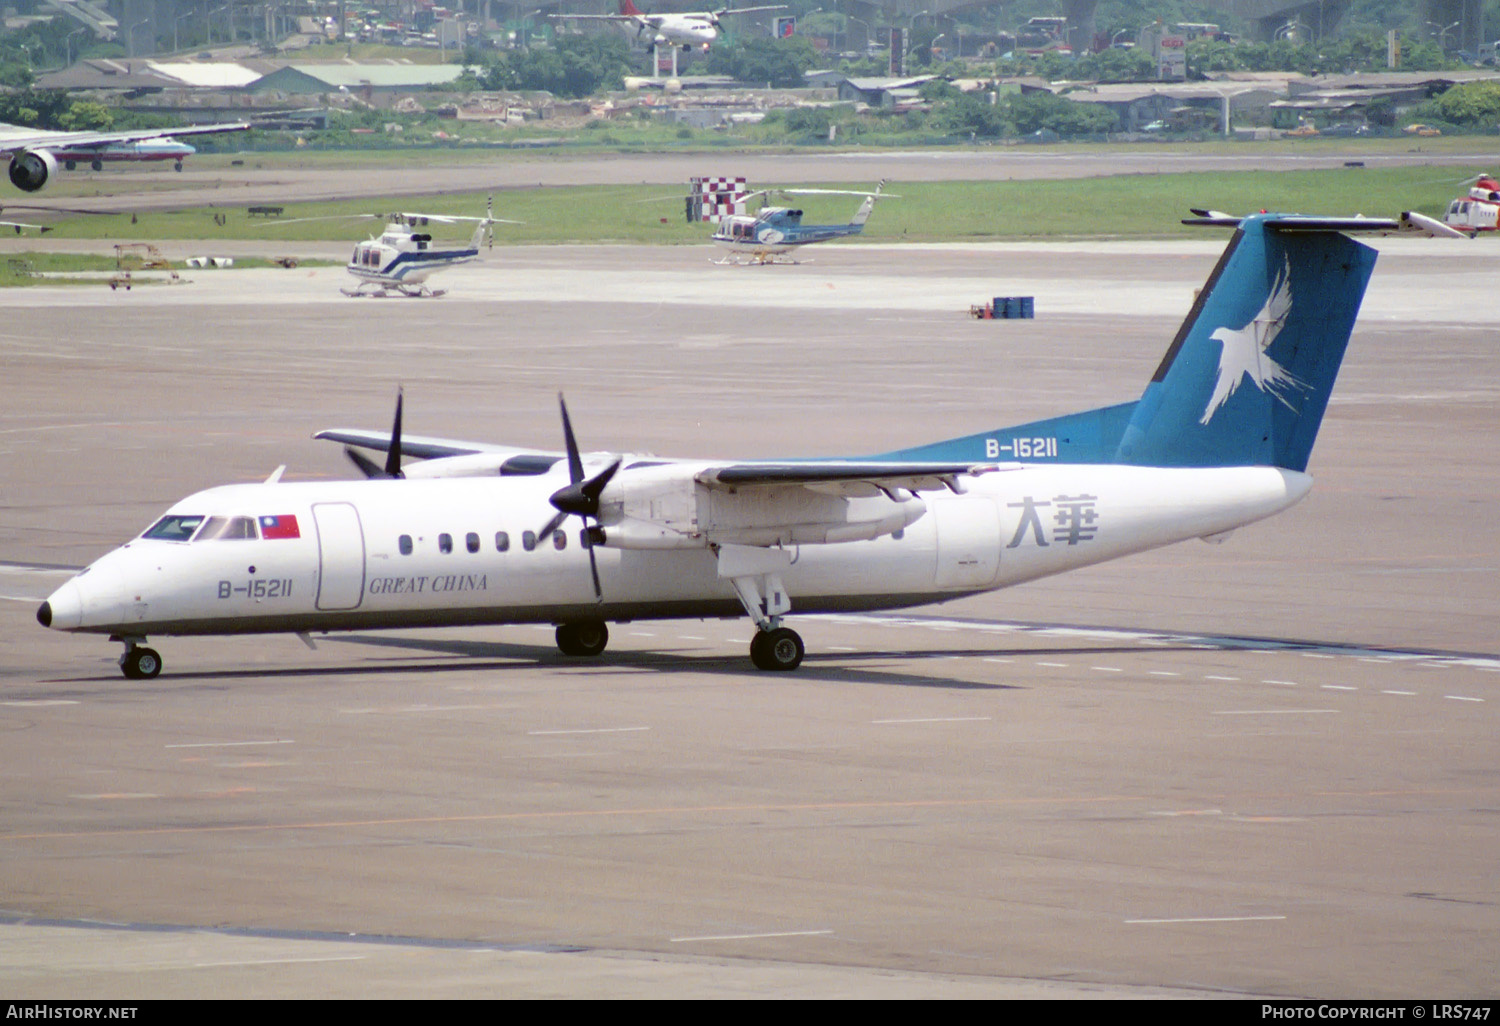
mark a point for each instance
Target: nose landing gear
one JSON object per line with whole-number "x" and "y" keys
{"x": 138, "y": 662}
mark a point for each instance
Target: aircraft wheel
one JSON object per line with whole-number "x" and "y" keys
{"x": 70, "y": 165}
{"x": 141, "y": 663}
{"x": 587, "y": 638}
{"x": 780, "y": 649}
{"x": 97, "y": 165}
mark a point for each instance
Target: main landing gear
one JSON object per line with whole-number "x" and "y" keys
{"x": 138, "y": 662}
{"x": 582, "y": 638}
{"x": 755, "y": 574}
{"x": 777, "y": 649}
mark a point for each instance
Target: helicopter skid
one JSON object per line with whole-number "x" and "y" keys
{"x": 393, "y": 291}
{"x": 736, "y": 260}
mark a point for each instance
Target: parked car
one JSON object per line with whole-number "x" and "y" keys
{"x": 1304, "y": 130}
{"x": 1346, "y": 128}
{"x": 1420, "y": 129}
{"x": 1156, "y": 126}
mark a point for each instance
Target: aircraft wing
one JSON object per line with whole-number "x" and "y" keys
{"x": 595, "y": 17}
{"x": 14, "y": 138}
{"x": 411, "y": 445}
{"x": 1409, "y": 222}
{"x": 838, "y": 475}
{"x": 19, "y": 225}
{"x": 748, "y": 10}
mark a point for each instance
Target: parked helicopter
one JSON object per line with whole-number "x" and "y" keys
{"x": 1479, "y": 211}
{"x": 404, "y": 255}
{"x": 759, "y": 239}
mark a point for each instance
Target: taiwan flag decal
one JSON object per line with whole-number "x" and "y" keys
{"x": 284, "y": 526}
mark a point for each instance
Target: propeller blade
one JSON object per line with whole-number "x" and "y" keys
{"x": 393, "y": 454}
{"x": 575, "y": 462}
{"x": 552, "y": 525}
{"x": 581, "y": 496}
{"x": 595, "y": 485}
{"x": 370, "y": 468}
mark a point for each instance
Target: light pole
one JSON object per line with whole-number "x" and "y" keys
{"x": 208, "y": 25}
{"x": 1442, "y": 32}
{"x": 869, "y": 32}
{"x": 175, "y": 22}
{"x": 68, "y": 46}
{"x": 130, "y": 36}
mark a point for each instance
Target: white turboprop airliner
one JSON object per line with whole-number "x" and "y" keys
{"x": 35, "y": 154}
{"x": 685, "y": 29}
{"x": 481, "y": 534}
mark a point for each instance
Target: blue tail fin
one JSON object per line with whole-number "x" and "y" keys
{"x": 1247, "y": 378}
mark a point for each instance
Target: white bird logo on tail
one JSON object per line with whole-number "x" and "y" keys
{"x": 1243, "y": 352}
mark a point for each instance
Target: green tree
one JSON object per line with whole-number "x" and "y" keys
{"x": 85, "y": 116}
{"x": 1472, "y": 105}
{"x": 575, "y": 65}
{"x": 781, "y": 62}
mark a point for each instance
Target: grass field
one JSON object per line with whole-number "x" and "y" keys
{"x": 1119, "y": 206}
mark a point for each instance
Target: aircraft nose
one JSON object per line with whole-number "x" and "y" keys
{"x": 63, "y": 609}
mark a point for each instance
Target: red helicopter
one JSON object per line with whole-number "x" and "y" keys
{"x": 1479, "y": 211}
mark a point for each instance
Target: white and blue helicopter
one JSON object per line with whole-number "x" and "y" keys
{"x": 487, "y": 534}
{"x": 762, "y": 237}
{"x": 404, "y": 255}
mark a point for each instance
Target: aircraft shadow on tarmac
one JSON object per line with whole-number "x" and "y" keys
{"x": 830, "y": 667}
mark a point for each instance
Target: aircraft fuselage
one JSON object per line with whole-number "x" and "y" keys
{"x": 462, "y": 551}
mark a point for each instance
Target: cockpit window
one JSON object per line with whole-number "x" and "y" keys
{"x": 179, "y": 528}
{"x": 227, "y": 529}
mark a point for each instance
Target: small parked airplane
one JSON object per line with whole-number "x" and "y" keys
{"x": 35, "y": 154}
{"x": 775, "y": 230}
{"x": 477, "y": 534}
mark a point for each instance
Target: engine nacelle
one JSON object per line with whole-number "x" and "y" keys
{"x": 30, "y": 170}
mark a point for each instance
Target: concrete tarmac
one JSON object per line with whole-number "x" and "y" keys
{"x": 1265, "y": 767}
{"x": 318, "y": 177}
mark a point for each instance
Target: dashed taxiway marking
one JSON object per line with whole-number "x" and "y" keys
{"x": 939, "y": 719}
{"x": 1207, "y": 919}
{"x": 229, "y": 744}
{"x": 593, "y": 730}
{"x": 1271, "y": 712}
{"x": 750, "y": 936}
{"x": 280, "y": 961}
